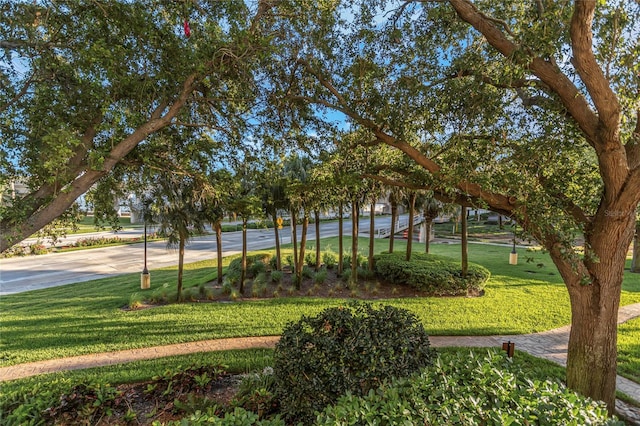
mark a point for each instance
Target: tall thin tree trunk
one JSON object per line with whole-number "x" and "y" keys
{"x": 276, "y": 231}
{"x": 464, "y": 243}
{"x": 372, "y": 228}
{"x": 294, "y": 239}
{"x": 412, "y": 212}
{"x": 303, "y": 246}
{"x": 316, "y": 218}
{"x": 428, "y": 225}
{"x": 394, "y": 218}
{"x": 340, "y": 235}
{"x": 353, "y": 278}
{"x": 635, "y": 259}
{"x": 181, "y": 244}
{"x": 218, "y": 229}
{"x": 243, "y": 272}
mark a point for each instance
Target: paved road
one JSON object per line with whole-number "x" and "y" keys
{"x": 21, "y": 274}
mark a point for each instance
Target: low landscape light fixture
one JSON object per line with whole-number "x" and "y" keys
{"x": 509, "y": 347}
{"x": 145, "y": 277}
{"x": 513, "y": 256}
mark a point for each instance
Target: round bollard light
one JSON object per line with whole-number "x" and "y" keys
{"x": 145, "y": 280}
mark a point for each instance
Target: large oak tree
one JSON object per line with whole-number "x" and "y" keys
{"x": 527, "y": 108}
{"x": 85, "y": 82}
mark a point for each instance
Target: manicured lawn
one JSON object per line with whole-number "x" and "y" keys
{"x": 87, "y": 317}
{"x": 629, "y": 349}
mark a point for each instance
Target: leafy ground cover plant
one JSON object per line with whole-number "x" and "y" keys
{"x": 468, "y": 389}
{"x": 345, "y": 349}
{"x": 433, "y": 274}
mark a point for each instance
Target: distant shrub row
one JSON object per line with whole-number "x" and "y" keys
{"x": 433, "y": 274}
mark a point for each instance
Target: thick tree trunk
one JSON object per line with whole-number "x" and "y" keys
{"x": 372, "y": 228}
{"x": 635, "y": 260}
{"x": 594, "y": 287}
{"x": 340, "y": 235}
{"x": 181, "y": 245}
{"x": 353, "y": 278}
{"x": 394, "y": 218}
{"x": 316, "y": 218}
{"x": 412, "y": 212}
{"x": 243, "y": 272}
{"x": 277, "y": 236}
{"x": 218, "y": 229}
{"x": 465, "y": 253}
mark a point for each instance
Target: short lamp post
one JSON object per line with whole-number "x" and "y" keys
{"x": 513, "y": 256}
{"x": 145, "y": 277}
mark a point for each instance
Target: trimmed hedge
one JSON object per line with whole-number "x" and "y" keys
{"x": 433, "y": 274}
{"x": 469, "y": 389}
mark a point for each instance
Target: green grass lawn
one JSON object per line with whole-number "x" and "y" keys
{"x": 86, "y": 225}
{"x": 87, "y": 317}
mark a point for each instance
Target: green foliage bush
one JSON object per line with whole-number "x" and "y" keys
{"x": 256, "y": 264}
{"x": 310, "y": 258}
{"x": 320, "y": 277}
{"x": 436, "y": 275}
{"x": 472, "y": 389}
{"x": 341, "y": 350}
{"x": 276, "y": 277}
{"x": 329, "y": 259}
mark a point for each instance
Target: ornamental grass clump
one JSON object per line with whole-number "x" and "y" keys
{"x": 347, "y": 349}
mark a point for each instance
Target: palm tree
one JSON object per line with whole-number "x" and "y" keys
{"x": 215, "y": 202}
{"x": 246, "y": 204}
{"x": 297, "y": 171}
{"x": 178, "y": 210}
{"x": 430, "y": 210}
{"x": 412, "y": 210}
{"x": 396, "y": 196}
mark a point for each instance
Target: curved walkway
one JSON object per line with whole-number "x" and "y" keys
{"x": 551, "y": 345}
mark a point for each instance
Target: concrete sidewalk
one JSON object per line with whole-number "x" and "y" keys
{"x": 551, "y": 345}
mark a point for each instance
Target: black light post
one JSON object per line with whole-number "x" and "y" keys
{"x": 145, "y": 277}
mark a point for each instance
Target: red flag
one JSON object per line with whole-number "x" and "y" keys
{"x": 187, "y": 30}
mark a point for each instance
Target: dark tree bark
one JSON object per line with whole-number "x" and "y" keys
{"x": 303, "y": 246}
{"x": 243, "y": 272}
{"x": 412, "y": 212}
{"x": 464, "y": 242}
{"x": 181, "y": 244}
{"x": 340, "y": 235}
{"x": 355, "y": 207}
{"x": 428, "y": 223}
{"x": 277, "y": 236}
{"x": 218, "y": 230}
{"x": 394, "y": 218}
{"x": 372, "y": 228}
{"x": 294, "y": 239}
{"x": 316, "y": 218}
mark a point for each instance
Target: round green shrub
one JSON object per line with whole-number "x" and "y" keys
{"x": 433, "y": 274}
{"x": 468, "y": 389}
{"x": 341, "y": 350}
